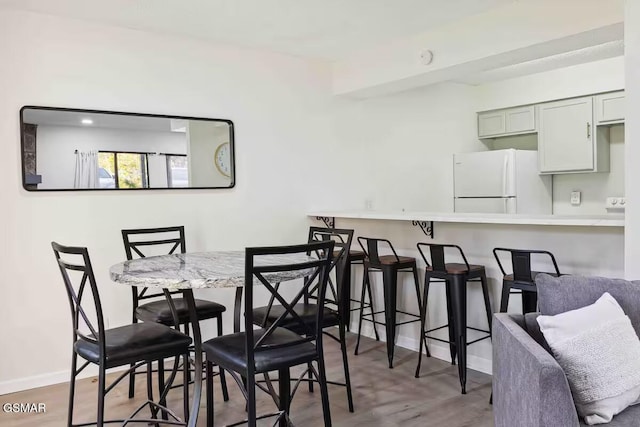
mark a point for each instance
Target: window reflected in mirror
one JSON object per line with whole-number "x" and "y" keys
{"x": 64, "y": 149}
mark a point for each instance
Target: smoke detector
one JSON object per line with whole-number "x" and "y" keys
{"x": 426, "y": 57}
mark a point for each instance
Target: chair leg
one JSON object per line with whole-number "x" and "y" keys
{"x": 101, "y": 388}
{"x": 423, "y": 316}
{"x": 365, "y": 280}
{"x": 72, "y": 388}
{"x": 284, "y": 383}
{"x": 425, "y": 306}
{"x": 529, "y": 301}
{"x": 487, "y": 300}
{"x": 390, "y": 288}
{"x": 209, "y": 393}
{"x": 165, "y": 416}
{"x": 324, "y": 392}
{"x": 132, "y": 382}
{"x": 452, "y": 336}
{"x": 310, "y": 376}
{"x": 251, "y": 400}
{"x": 504, "y": 299}
{"x": 345, "y": 364}
{"x": 459, "y": 304}
{"x": 223, "y": 379}
{"x": 421, "y": 302}
{"x": 375, "y": 327}
{"x": 185, "y": 384}
{"x": 153, "y": 409}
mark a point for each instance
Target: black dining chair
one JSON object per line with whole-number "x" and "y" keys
{"x": 522, "y": 280}
{"x": 336, "y": 302}
{"x": 165, "y": 240}
{"x": 276, "y": 347}
{"x": 136, "y": 344}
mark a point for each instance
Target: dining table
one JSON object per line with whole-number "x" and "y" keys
{"x": 200, "y": 270}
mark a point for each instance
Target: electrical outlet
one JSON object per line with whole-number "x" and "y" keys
{"x": 617, "y": 203}
{"x": 575, "y": 198}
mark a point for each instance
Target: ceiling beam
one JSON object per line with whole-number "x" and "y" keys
{"x": 523, "y": 31}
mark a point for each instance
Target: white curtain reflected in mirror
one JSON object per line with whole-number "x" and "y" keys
{"x": 81, "y": 149}
{"x": 86, "y": 171}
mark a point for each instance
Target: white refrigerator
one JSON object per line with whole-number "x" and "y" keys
{"x": 500, "y": 181}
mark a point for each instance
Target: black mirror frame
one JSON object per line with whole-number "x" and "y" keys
{"x": 232, "y": 148}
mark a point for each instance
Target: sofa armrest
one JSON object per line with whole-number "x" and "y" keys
{"x": 529, "y": 387}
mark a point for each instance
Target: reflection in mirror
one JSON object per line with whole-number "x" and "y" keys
{"x": 65, "y": 149}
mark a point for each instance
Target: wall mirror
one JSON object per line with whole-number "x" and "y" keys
{"x": 69, "y": 149}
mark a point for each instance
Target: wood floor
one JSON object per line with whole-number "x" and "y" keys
{"x": 383, "y": 397}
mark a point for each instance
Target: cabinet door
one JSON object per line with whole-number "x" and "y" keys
{"x": 566, "y": 135}
{"x": 521, "y": 119}
{"x": 610, "y": 107}
{"x": 491, "y": 123}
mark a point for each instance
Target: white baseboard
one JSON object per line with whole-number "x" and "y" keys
{"x": 43, "y": 380}
{"x": 436, "y": 349}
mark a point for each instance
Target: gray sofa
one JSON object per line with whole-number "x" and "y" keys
{"x": 529, "y": 387}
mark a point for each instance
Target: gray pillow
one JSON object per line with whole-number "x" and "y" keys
{"x": 559, "y": 294}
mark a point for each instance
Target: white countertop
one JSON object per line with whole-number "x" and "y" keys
{"x": 607, "y": 220}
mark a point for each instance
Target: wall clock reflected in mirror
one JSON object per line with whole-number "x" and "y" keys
{"x": 223, "y": 159}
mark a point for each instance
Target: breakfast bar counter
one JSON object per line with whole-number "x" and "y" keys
{"x": 606, "y": 220}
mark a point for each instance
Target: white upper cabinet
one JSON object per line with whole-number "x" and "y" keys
{"x": 568, "y": 141}
{"x": 610, "y": 108}
{"x": 511, "y": 121}
{"x": 491, "y": 123}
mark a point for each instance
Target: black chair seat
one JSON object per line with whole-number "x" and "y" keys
{"x": 160, "y": 312}
{"x": 136, "y": 342}
{"x": 229, "y": 351}
{"x": 391, "y": 260}
{"x": 307, "y": 313}
{"x": 458, "y": 268}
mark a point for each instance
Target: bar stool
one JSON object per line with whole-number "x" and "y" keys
{"x": 355, "y": 258}
{"x": 390, "y": 266}
{"x": 455, "y": 276}
{"x": 523, "y": 280}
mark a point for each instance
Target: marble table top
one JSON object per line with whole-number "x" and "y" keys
{"x": 199, "y": 270}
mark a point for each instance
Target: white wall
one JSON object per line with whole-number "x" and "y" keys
{"x": 632, "y": 136}
{"x": 279, "y": 106}
{"x": 56, "y": 146}
{"x": 406, "y": 142}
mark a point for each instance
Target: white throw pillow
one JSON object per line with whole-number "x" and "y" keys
{"x": 599, "y": 351}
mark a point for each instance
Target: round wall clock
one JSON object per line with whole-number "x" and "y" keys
{"x": 222, "y": 159}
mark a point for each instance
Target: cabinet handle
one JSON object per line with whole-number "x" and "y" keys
{"x": 588, "y": 130}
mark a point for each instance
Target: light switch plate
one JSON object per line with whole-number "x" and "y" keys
{"x": 575, "y": 198}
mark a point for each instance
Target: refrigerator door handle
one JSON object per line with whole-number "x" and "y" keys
{"x": 505, "y": 167}
{"x": 506, "y": 206}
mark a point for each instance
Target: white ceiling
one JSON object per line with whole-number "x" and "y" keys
{"x": 323, "y": 29}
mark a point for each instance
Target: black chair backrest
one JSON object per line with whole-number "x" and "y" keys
{"x": 521, "y": 262}
{"x": 76, "y": 291}
{"x": 437, "y": 255}
{"x": 342, "y": 239}
{"x": 259, "y": 270}
{"x": 370, "y": 246}
{"x": 137, "y": 240}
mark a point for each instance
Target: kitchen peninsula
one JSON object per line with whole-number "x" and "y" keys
{"x": 583, "y": 245}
